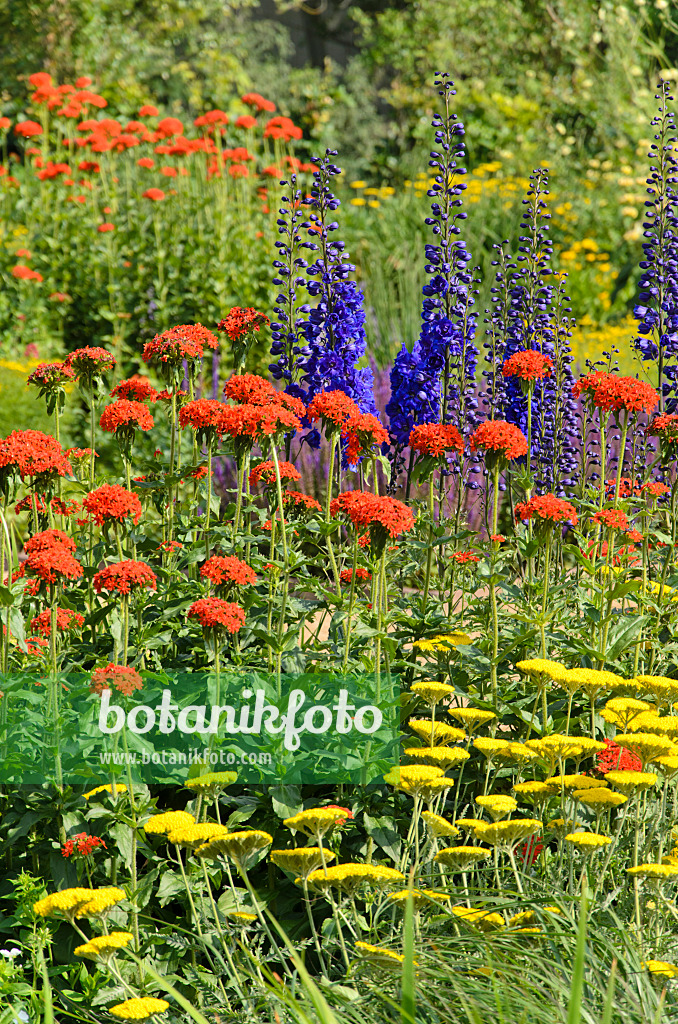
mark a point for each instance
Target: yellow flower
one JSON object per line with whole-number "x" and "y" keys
{"x": 102, "y": 899}
{"x": 629, "y": 782}
{"x": 436, "y": 733}
{"x": 534, "y": 792}
{"x": 662, "y": 688}
{"x": 645, "y": 745}
{"x": 559, "y": 825}
{"x": 191, "y": 835}
{"x": 480, "y": 919}
{"x": 508, "y": 833}
{"x": 531, "y": 916}
{"x": 443, "y": 642}
{"x": 79, "y": 902}
{"x": 104, "y": 946}
{"x": 562, "y": 746}
{"x": 352, "y": 876}
{"x": 472, "y": 718}
{"x": 316, "y": 821}
{"x": 214, "y": 781}
{"x": 139, "y": 1008}
{"x": 661, "y": 967}
{"x": 161, "y": 824}
{"x": 381, "y": 957}
{"x": 662, "y": 725}
{"x": 588, "y": 841}
{"x": 543, "y": 667}
{"x": 439, "y": 826}
{"x": 621, "y": 711}
{"x": 412, "y": 779}
{"x": 654, "y": 871}
{"x": 599, "y": 798}
{"x": 443, "y": 757}
{"x": 668, "y": 766}
{"x": 504, "y": 751}
{"x": 357, "y": 201}
{"x": 497, "y": 806}
{"x": 242, "y": 917}
{"x": 358, "y": 184}
{"x": 588, "y": 745}
{"x": 108, "y": 788}
{"x": 461, "y": 858}
{"x": 301, "y": 861}
{"x": 592, "y": 680}
{"x": 572, "y": 782}
{"x": 421, "y": 897}
{"x": 241, "y": 847}
{"x": 469, "y": 823}
{"x": 432, "y": 692}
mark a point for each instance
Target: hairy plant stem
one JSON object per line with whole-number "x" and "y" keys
{"x": 493, "y": 596}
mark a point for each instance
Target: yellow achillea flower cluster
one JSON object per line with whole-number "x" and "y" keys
{"x": 629, "y": 781}
{"x": 621, "y": 711}
{"x": 79, "y": 902}
{"x": 531, "y": 916}
{"x": 432, "y": 692}
{"x": 461, "y": 858}
{"x": 534, "y": 792}
{"x": 668, "y": 766}
{"x": 497, "y": 806}
{"x": 504, "y": 751}
{"x": 420, "y": 897}
{"x": 599, "y": 799}
{"x": 469, "y": 823}
{"x": 572, "y": 782}
{"x": 139, "y": 1008}
{"x": 480, "y": 919}
{"x": 191, "y": 835}
{"x": 242, "y": 917}
{"x": 301, "y": 861}
{"x": 661, "y": 967}
{"x": 645, "y": 745}
{"x": 443, "y": 757}
{"x": 379, "y": 956}
{"x": 555, "y": 747}
{"x": 439, "y": 826}
{"x": 592, "y": 681}
{"x": 211, "y": 781}
{"x": 508, "y": 833}
{"x": 553, "y": 670}
{"x": 104, "y": 946}
{"x": 662, "y": 725}
{"x": 663, "y": 688}
{"x": 416, "y": 779}
{"x": 351, "y": 876}
{"x": 316, "y": 821}
{"x": 588, "y": 841}
{"x": 443, "y": 642}
{"x": 436, "y": 733}
{"x": 161, "y": 824}
{"x": 658, "y": 872}
{"x": 108, "y": 788}
{"x": 559, "y": 825}
{"x": 241, "y": 847}
{"x": 472, "y": 718}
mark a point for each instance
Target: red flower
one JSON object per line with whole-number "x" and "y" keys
{"x": 362, "y": 433}
{"x": 224, "y": 569}
{"x": 615, "y": 758}
{"x": 435, "y": 439}
{"x": 107, "y": 226}
{"x": 80, "y": 454}
{"x": 547, "y": 508}
{"x": 112, "y": 503}
{"x": 33, "y": 453}
{"x": 530, "y": 850}
{"x": 27, "y": 129}
{"x": 242, "y": 320}
{"x": 82, "y": 844}
{"x": 334, "y": 408}
{"x": 125, "y": 416}
{"x": 282, "y": 128}
{"x": 626, "y": 554}
{"x": 135, "y": 389}
{"x": 346, "y": 575}
{"x": 655, "y": 488}
{"x": 155, "y": 194}
{"x": 249, "y": 389}
{"x": 122, "y": 577}
{"x": 530, "y": 365}
{"x": 90, "y": 362}
{"x": 384, "y": 516}
{"x": 49, "y": 539}
{"x": 185, "y": 341}
{"x": 25, "y": 273}
{"x": 497, "y": 538}
{"x": 297, "y": 503}
{"x": 246, "y": 121}
{"x": 213, "y": 613}
{"x": 634, "y": 535}
{"x": 612, "y": 518}
{"x": 212, "y": 117}
{"x": 40, "y": 79}
{"x": 254, "y": 99}
{"x": 116, "y": 677}
{"x": 169, "y": 127}
{"x": 464, "y": 557}
{"x": 499, "y": 439}
{"x": 265, "y": 472}
{"x": 146, "y": 162}
{"x": 148, "y": 111}
{"x": 610, "y": 393}
{"x": 170, "y": 546}
{"x": 53, "y": 565}
{"x": 50, "y": 376}
{"x": 203, "y": 414}
{"x": 256, "y": 421}
{"x": 66, "y": 620}
{"x": 343, "y": 813}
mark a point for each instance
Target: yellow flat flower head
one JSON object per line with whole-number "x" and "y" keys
{"x": 497, "y": 806}
{"x": 439, "y": 826}
{"x": 139, "y": 1008}
{"x": 443, "y": 757}
{"x": 588, "y": 842}
{"x": 630, "y": 782}
{"x": 461, "y": 858}
{"x": 301, "y": 861}
{"x": 108, "y": 788}
{"x": 161, "y": 824}
{"x": 215, "y": 781}
{"x": 436, "y": 733}
{"x": 431, "y": 692}
{"x": 482, "y": 920}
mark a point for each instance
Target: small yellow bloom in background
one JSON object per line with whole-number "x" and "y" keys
{"x": 104, "y": 946}
{"x": 192, "y": 835}
{"x": 621, "y": 711}
{"x": 301, "y": 861}
{"x": 214, "y": 781}
{"x": 432, "y": 692}
{"x": 380, "y": 957}
{"x": 472, "y": 718}
{"x": 242, "y": 917}
{"x": 668, "y": 765}
{"x": 357, "y": 201}
{"x": 645, "y": 745}
{"x": 480, "y": 919}
{"x": 629, "y": 781}
{"x": 439, "y": 826}
{"x": 508, "y": 833}
{"x": 559, "y": 825}
{"x": 316, "y": 821}
{"x": 358, "y": 184}
{"x": 374, "y": 202}
{"x": 534, "y": 792}
{"x": 661, "y": 967}
{"x": 161, "y": 824}
{"x": 542, "y": 667}
{"x": 443, "y": 757}
{"x": 242, "y": 847}
{"x": 531, "y": 916}
{"x": 599, "y": 798}
{"x": 497, "y": 806}
{"x": 420, "y": 897}
{"x": 658, "y": 872}
{"x": 436, "y": 733}
{"x": 468, "y": 823}
{"x": 588, "y": 841}
{"x": 139, "y": 1008}
{"x": 572, "y": 782}
{"x": 461, "y": 858}
{"x": 662, "y": 688}
{"x": 351, "y": 877}
{"x": 108, "y": 788}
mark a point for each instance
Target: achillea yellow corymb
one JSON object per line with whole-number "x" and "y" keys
{"x": 588, "y": 745}
{"x": 661, "y": 725}
{"x": 420, "y": 897}
{"x": 599, "y": 799}
{"x": 483, "y": 920}
{"x": 645, "y": 745}
{"x": 139, "y": 1008}
{"x": 592, "y": 681}
{"x": 571, "y": 782}
{"x": 104, "y": 946}
{"x": 432, "y": 692}
{"x": 443, "y": 757}
{"x": 508, "y": 833}
{"x": 192, "y": 835}
{"x": 630, "y": 782}
{"x": 301, "y": 861}
{"x": 242, "y": 847}
{"x": 108, "y": 788}
{"x": 102, "y": 900}
{"x": 621, "y": 711}
{"x": 534, "y": 792}
{"x": 316, "y": 821}
{"x": 242, "y": 917}
{"x": 472, "y": 718}
{"x": 668, "y": 765}
{"x": 559, "y": 746}
{"x": 439, "y": 826}
{"x": 661, "y": 967}
{"x": 443, "y": 642}
{"x": 461, "y": 858}
{"x": 531, "y": 916}
{"x": 413, "y": 779}
{"x": 469, "y": 823}
{"x": 559, "y": 825}
{"x": 657, "y": 872}
{"x": 663, "y": 688}
{"x": 553, "y": 670}
{"x": 161, "y": 824}
{"x": 380, "y": 957}
{"x": 436, "y": 733}
{"x": 350, "y": 877}
{"x": 497, "y": 806}
{"x": 588, "y": 842}
{"x": 79, "y": 902}
{"x": 504, "y": 751}
{"x": 211, "y": 782}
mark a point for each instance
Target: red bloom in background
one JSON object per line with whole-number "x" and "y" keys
{"x": 66, "y": 620}
{"x": 156, "y": 195}
{"x": 82, "y": 844}
{"x": 185, "y": 341}
{"x": 610, "y": 393}
{"x": 435, "y": 439}
{"x": 497, "y": 437}
{"x": 258, "y": 421}
{"x": 282, "y": 128}
{"x": 127, "y": 416}
{"x": 224, "y": 569}
{"x": 346, "y": 575}
{"x": 147, "y": 162}
{"x": 107, "y": 226}
{"x": 116, "y": 677}
{"x": 387, "y": 516}
{"x": 148, "y": 110}
{"x": 615, "y": 758}
{"x": 112, "y": 503}
{"x": 547, "y": 508}
{"x": 169, "y": 127}
{"x": 249, "y": 389}
{"x": 464, "y": 557}
{"x": 530, "y": 850}
{"x": 135, "y": 389}
{"x": 611, "y": 518}
{"x": 255, "y": 99}
{"x": 203, "y": 414}
{"x": 334, "y": 408}
{"x": 362, "y": 433}
{"x": 123, "y": 577}
{"x": 265, "y": 473}
{"x": 214, "y": 614}
{"x": 23, "y": 273}
{"x": 40, "y": 79}
{"x": 246, "y": 121}
{"x": 242, "y": 320}
{"x": 90, "y": 362}
{"x": 33, "y": 453}
{"x": 49, "y": 376}
{"x": 297, "y": 503}
{"x": 529, "y": 365}
{"x": 655, "y": 488}
{"x": 625, "y": 554}
{"x": 27, "y": 129}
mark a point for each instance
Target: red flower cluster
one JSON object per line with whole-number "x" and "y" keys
{"x": 80, "y": 454}
{"x": 334, "y": 408}
{"x": 224, "y": 569}
{"x": 82, "y": 844}
{"x": 362, "y": 433}
{"x": 610, "y": 393}
{"x": 612, "y": 518}
{"x": 156, "y": 195}
{"x": 215, "y": 614}
{"x": 615, "y": 758}
{"x": 112, "y": 503}
{"x": 241, "y": 321}
{"x": 435, "y": 439}
{"x": 282, "y": 128}
{"x": 258, "y": 421}
{"x": 135, "y": 389}
{"x": 53, "y": 565}
{"x": 65, "y": 620}
{"x": 48, "y": 539}
{"x": 497, "y": 437}
{"x": 116, "y": 677}
{"x": 298, "y": 503}
{"x": 90, "y": 362}
{"x": 249, "y": 389}
{"x": 125, "y": 416}
{"x": 626, "y": 488}
{"x": 665, "y": 427}
{"x": 23, "y": 273}
{"x": 655, "y": 488}
{"x": 530, "y": 365}
{"x": 32, "y": 453}
{"x": 624, "y": 555}
{"x": 185, "y": 341}
{"x": 548, "y": 508}
{"x": 255, "y": 99}
{"x": 369, "y": 510}
{"x": 123, "y": 577}
{"x": 346, "y": 575}
{"x": 464, "y": 557}
{"x": 203, "y": 414}
{"x": 265, "y": 473}
{"x": 49, "y": 376}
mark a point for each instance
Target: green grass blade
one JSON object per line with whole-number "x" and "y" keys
{"x": 609, "y": 995}
{"x": 577, "y": 989}
{"x": 408, "y": 996}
